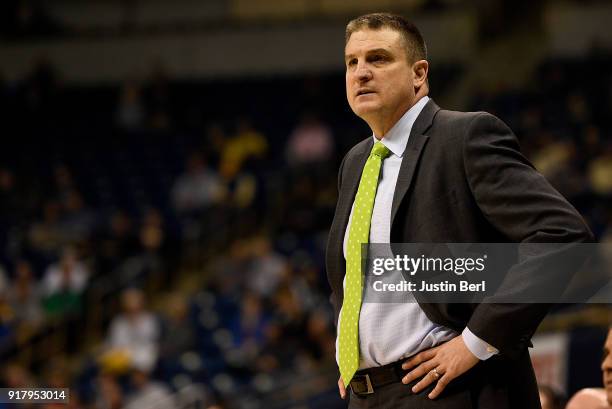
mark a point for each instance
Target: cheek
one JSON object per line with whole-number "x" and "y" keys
{"x": 392, "y": 92}
{"x": 348, "y": 87}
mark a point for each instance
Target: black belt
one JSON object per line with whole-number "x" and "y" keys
{"x": 366, "y": 381}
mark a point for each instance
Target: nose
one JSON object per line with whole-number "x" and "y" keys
{"x": 363, "y": 73}
{"x": 606, "y": 365}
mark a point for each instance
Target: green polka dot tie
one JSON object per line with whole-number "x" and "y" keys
{"x": 359, "y": 233}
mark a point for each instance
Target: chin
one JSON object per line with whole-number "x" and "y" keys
{"x": 365, "y": 109}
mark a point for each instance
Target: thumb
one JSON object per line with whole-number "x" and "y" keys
{"x": 341, "y": 388}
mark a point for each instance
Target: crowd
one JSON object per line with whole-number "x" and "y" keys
{"x": 131, "y": 184}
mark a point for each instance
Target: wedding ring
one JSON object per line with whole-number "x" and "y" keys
{"x": 435, "y": 373}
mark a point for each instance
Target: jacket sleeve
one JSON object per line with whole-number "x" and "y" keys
{"x": 519, "y": 202}
{"x": 332, "y": 297}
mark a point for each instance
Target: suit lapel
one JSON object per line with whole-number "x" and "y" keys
{"x": 414, "y": 148}
{"x": 351, "y": 174}
{"x": 348, "y": 191}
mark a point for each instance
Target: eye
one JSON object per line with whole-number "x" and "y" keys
{"x": 377, "y": 58}
{"x": 351, "y": 62}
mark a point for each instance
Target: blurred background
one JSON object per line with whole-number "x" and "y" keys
{"x": 168, "y": 174}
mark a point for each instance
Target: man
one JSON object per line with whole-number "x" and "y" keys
{"x": 606, "y": 367}
{"x": 428, "y": 175}
{"x": 597, "y": 398}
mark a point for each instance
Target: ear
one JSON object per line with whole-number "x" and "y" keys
{"x": 420, "y": 70}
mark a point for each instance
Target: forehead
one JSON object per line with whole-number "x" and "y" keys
{"x": 362, "y": 41}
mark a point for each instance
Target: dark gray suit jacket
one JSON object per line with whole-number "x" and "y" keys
{"x": 464, "y": 180}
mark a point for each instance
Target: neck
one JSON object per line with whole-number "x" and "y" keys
{"x": 382, "y": 123}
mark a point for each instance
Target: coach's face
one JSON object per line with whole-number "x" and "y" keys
{"x": 381, "y": 83}
{"x": 606, "y": 367}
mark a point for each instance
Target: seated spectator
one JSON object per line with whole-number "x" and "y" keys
{"x": 17, "y": 376}
{"x": 107, "y": 393}
{"x": 45, "y": 236}
{"x": 130, "y": 112}
{"x": 177, "y": 332}
{"x": 63, "y": 183}
{"x": 57, "y": 374}
{"x": 600, "y": 173}
{"x": 116, "y": 242}
{"x": 320, "y": 337}
{"x": 77, "y": 221}
{"x": 148, "y": 394}
{"x": 63, "y": 284}
{"x": 228, "y": 269}
{"x": 277, "y": 350}
{"x": 215, "y": 142}
{"x": 13, "y": 204}
{"x": 197, "y": 188}
{"x": 4, "y": 282}
{"x": 248, "y": 327}
{"x": 25, "y": 297}
{"x": 597, "y": 398}
{"x": 157, "y": 253}
{"x": 267, "y": 268}
{"x": 7, "y": 319}
{"x": 248, "y": 144}
{"x": 311, "y": 142}
{"x": 157, "y": 98}
{"x": 240, "y": 161}
{"x": 152, "y": 234}
{"x": 134, "y": 334}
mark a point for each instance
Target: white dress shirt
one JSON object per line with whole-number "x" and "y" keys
{"x": 390, "y": 331}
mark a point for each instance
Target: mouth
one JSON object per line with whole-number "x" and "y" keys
{"x": 364, "y": 92}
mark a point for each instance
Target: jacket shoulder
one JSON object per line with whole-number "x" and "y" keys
{"x": 461, "y": 120}
{"x": 458, "y": 117}
{"x": 358, "y": 148}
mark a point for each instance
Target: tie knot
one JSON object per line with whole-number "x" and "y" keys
{"x": 380, "y": 150}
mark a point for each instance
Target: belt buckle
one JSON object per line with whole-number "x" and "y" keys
{"x": 369, "y": 389}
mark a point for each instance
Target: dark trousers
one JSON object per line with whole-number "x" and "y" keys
{"x": 492, "y": 384}
{"x": 397, "y": 395}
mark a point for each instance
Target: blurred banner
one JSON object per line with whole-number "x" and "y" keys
{"x": 549, "y": 357}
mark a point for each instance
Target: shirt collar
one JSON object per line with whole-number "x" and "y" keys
{"x": 397, "y": 137}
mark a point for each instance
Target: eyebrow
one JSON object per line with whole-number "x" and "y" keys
{"x": 373, "y": 51}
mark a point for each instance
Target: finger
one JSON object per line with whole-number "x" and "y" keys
{"x": 420, "y": 371}
{"x": 440, "y": 385}
{"x": 420, "y": 358}
{"x": 341, "y": 388}
{"x": 424, "y": 383}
